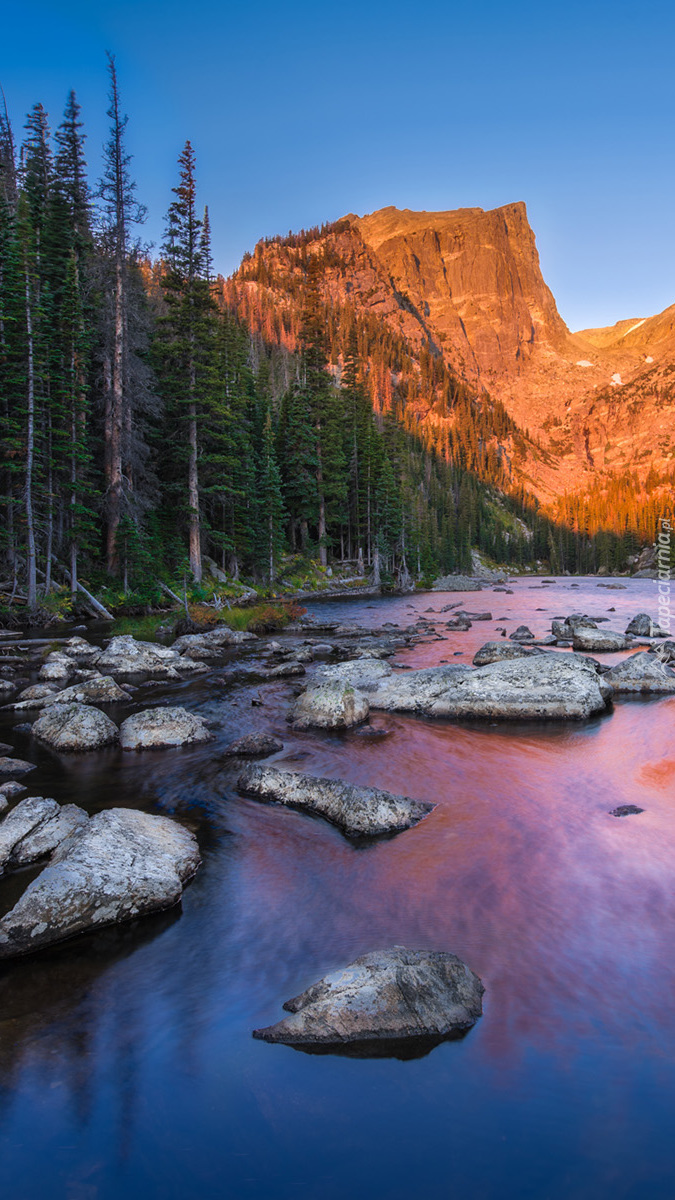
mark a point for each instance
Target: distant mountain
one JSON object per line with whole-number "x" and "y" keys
{"x": 462, "y": 296}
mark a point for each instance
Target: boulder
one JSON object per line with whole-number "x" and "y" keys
{"x": 38, "y": 691}
{"x": 48, "y": 834}
{"x": 11, "y": 789}
{"x": 57, "y": 668}
{"x": 213, "y": 644}
{"x": 564, "y": 627}
{"x": 122, "y": 864}
{"x": 386, "y": 1002}
{"x": 522, "y": 634}
{"x": 498, "y": 651}
{"x": 158, "y": 728}
{"x": 21, "y": 822}
{"x": 15, "y": 766}
{"x": 364, "y": 674}
{"x": 80, "y": 650}
{"x": 125, "y": 656}
{"x": 643, "y": 626}
{"x": 100, "y": 690}
{"x": 415, "y": 691}
{"x": 75, "y": 727}
{"x": 358, "y": 812}
{"x": 540, "y": 687}
{"x": 456, "y": 583}
{"x": 253, "y": 745}
{"x": 642, "y": 672}
{"x": 665, "y": 652}
{"x": 459, "y": 623}
{"x": 333, "y": 704}
{"x": 599, "y": 640}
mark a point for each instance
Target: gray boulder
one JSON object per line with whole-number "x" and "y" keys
{"x": 665, "y": 652}
{"x": 57, "y": 668}
{"x": 81, "y": 650}
{"x": 125, "y": 656}
{"x": 332, "y": 704}
{"x": 456, "y": 583}
{"x": 364, "y": 674}
{"x": 522, "y": 634}
{"x": 75, "y": 727}
{"x": 100, "y": 690}
{"x": 643, "y": 626}
{"x": 415, "y": 691}
{"x": 541, "y": 687}
{"x": 159, "y": 728}
{"x": 49, "y": 833}
{"x": 11, "y": 790}
{"x": 564, "y": 628}
{"x": 384, "y": 1002}
{"x": 21, "y": 822}
{"x": 643, "y": 672}
{"x": 499, "y": 651}
{"x": 123, "y": 864}
{"x": 15, "y": 766}
{"x": 596, "y": 641}
{"x": 213, "y": 644}
{"x": 358, "y": 812}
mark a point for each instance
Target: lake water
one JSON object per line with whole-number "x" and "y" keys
{"x": 127, "y": 1066}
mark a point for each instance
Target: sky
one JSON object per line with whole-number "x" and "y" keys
{"x": 302, "y": 112}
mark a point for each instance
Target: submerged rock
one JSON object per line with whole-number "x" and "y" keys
{"x": 253, "y": 745}
{"x": 123, "y": 864}
{"x": 642, "y": 672}
{"x": 357, "y": 811}
{"x": 15, "y": 766}
{"x": 158, "y": 728}
{"x": 331, "y": 704}
{"x": 75, "y": 727}
{"x": 626, "y": 810}
{"x": 382, "y": 1002}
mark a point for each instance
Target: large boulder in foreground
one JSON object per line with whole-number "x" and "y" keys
{"x": 642, "y": 672}
{"x": 159, "y": 728}
{"x": 358, "y": 812}
{"x": 333, "y": 704}
{"x": 594, "y": 641}
{"x": 398, "y": 1002}
{"x": 124, "y": 864}
{"x": 543, "y": 687}
{"x": 75, "y": 727}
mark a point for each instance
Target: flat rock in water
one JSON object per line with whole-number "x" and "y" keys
{"x": 416, "y": 691}
{"x": 5, "y": 748}
{"x": 598, "y": 640}
{"x": 331, "y": 704}
{"x": 358, "y": 812}
{"x": 160, "y": 728}
{"x": 75, "y": 727}
{"x": 11, "y": 789}
{"x": 543, "y": 687}
{"x": 253, "y": 745}
{"x": 123, "y": 864}
{"x": 626, "y": 810}
{"x": 15, "y": 766}
{"x": 642, "y": 672}
{"x": 386, "y": 1002}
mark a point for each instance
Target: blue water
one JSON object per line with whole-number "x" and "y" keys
{"x": 127, "y": 1066}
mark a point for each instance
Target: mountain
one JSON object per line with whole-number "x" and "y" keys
{"x": 463, "y": 294}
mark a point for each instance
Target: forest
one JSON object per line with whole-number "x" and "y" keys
{"x": 156, "y": 427}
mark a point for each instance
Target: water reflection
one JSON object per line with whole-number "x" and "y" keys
{"x": 127, "y": 1060}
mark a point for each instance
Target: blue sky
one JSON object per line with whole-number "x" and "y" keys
{"x": 302, "y": 112}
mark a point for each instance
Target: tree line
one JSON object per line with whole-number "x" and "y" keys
{"x": 152, "y": 429}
